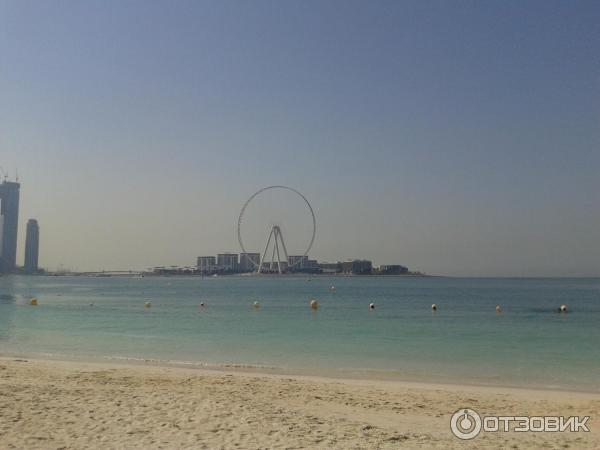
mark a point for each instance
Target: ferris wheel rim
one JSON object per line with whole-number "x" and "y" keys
{"x": 256, "y": 194}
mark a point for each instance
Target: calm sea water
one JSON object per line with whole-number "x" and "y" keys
{"x": 464, "y": 341}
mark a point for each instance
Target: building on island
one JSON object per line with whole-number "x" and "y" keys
{"x": 298, "y": 263}
{"x": 228, "y": 262}
{"x": 312, "y": 264}
{"x": 249, "y": 262}
{"x": 174, "y": 270}
{"x": 392, "y": 269}
{"x": 357, "y": 267}
{"x": 271, "y": 267}
{"x": 206, "y": 263}
{"x": 330, "y": 268}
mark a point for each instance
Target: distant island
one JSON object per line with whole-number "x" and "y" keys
{"x": 232, "y": 264}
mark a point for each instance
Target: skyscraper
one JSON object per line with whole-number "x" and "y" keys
{"x": 9, "y": 218}
{"x": 32, "y": 246}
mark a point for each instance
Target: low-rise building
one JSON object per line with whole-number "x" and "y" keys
{"x": 312, "y": 264}
{"x": 228, "y": 262}
{"x": 171, "y": 270}
{"x": 297, "y": 262}
{"x": 330, "y": 268}
{"x": 206, "y": 263}
{"x": 357, "y": 267}
{"x": 249, "y": 262}
{"x": 392, "y": 269}
{"x": 272, "y": 267}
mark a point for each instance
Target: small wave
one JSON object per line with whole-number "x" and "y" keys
{"x": 174, "y": 362}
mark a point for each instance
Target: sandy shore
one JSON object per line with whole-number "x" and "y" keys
{"x": 50, "y": 404}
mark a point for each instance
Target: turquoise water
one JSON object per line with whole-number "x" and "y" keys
{"x": 464, "y": 341}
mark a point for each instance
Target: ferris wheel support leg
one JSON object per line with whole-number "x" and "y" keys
{"x": 285, "y": 253}
{"x": 265, "y": 252}
{"x": 278, "y": 235}
{"x": 273, "y": 253}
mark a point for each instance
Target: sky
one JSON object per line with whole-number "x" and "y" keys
{"x": 456, "y": 138}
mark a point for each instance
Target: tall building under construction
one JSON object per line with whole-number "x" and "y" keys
{"x": 9, "y": 223}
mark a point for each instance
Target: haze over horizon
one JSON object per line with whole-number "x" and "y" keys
{"x": 456, "y": 138}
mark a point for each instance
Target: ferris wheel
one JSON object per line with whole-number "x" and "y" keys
{"x": 279, "y": 260}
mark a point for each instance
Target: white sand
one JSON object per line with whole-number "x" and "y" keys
{"x": 50, "y": 404}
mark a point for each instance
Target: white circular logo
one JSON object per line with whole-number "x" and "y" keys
{"x": 465, "y": 423}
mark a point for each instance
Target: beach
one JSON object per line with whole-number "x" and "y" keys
{"x": 59, "y": 404}
{"x": 90, "y": 366}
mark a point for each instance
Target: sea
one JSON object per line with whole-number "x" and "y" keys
{"x": 529, "y": 344}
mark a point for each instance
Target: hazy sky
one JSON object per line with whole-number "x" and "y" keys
{"x": 458, "y": 138}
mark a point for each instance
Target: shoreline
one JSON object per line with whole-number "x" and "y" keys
{"x": 331, "y": 376}
{"x": 53, "y": 404}
{"x": 133, "y": 274}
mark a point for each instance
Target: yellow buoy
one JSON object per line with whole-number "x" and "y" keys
{"x": 148, "y": 304}
{"x": 434, "y": 307}
{"x": 33, "y": 302}
{"x": 314, "y": 304}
